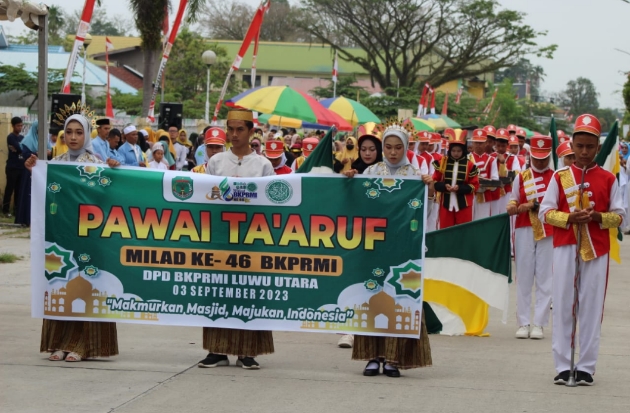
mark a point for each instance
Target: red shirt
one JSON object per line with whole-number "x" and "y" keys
{"x": 283, "y": 170}
{"x": 532, "y": 186}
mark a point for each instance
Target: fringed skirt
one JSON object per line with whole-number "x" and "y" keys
{"x": 404, "y": 353}
{"x": 86, "y": 338}
{"x": 242, "y": 343}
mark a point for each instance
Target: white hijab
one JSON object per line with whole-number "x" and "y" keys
{"x": 404, "y": 138}
{"x": 87, "y": 143}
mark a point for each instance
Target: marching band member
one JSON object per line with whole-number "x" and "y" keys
{"x": 565, "y": 154}
{"x": 532, "y": 241}
{"x": 506, "y": 163}
{"x": 592, "y": 208}
{"x": 487, "y": 166}
{"x": 456, "y": 178}
{"x": 274, "y": 151}
{"x": 214, "y": 141}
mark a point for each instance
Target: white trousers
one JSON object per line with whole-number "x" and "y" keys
{"x": 432, "y": 216}
{"x": 592, "y": 289}
{"x": 533, "y": 266}
{"x": 480, "y": 210}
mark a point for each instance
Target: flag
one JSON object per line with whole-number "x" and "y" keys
{"x": 165, "y": 54}
{"x": 433, "y": 93}
{"x": 335, "y": 68}
{"x": 321, "y": 159}
{"x": 458, "y": 97}
{"x": 82, "y": 30}
{"x": 489, "y": 107}
{"x": 445, "y": 106}
{"x": 608, "y": 158}
{"x": 553, "y": 132}
{"x": 423, "y": 96}
{"x": 109, "y": 109}
{"x": 252, "y": 33}
{"x": 467, "y": 269}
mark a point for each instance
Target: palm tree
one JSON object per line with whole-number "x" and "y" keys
{"x": 149, "y": 15}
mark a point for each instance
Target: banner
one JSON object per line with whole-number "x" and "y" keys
{"x": 272, "y": 253}
{"x": 165, "y": 55}
{"x": 82, "y": 30}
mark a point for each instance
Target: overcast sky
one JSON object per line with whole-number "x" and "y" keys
{"x": 587, "y": 33}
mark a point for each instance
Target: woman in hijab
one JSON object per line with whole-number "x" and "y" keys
{"x": 393, "y": 353}
{"x": 77, "y": 340}
{"x": 349, "y": 153}
{"x": 168, "y": 156}
{"x": 256, "y": 143}
{"x": 29, "y": 146}
{"x": 182, "y": 138}
{"x": 370, "y": 153}
{"x": 60, "y": 146}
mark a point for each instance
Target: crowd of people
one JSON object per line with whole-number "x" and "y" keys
{"x": 470, "y": 174}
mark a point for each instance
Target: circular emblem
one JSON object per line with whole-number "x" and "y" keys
{"x": 279, "y": 192}
{"x": 252, "y": 187}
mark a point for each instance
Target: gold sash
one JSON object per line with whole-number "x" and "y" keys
{"x": 530, "y": 189}
{"x": 572, "y": 191}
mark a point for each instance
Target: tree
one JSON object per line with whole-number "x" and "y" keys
{"x": 523, "y": 71}
{"x": 149, "y": 16}
{"x": 400, "y": 39}
{"x": 229, "y": 20}
{"x": 580, "y": 97}
{"x": 345, "y": 87}
{"x": 16, "y": 78}
{"x": 187, "y": 74}
{"x": 101, "y": 24}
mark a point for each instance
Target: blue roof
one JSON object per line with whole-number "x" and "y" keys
{"x": 58, "y": 59}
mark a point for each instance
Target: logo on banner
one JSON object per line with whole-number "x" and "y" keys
{"x": 279, "y": 192}
{"x": 182, "y": 187}
{"x": 238, "y": 192}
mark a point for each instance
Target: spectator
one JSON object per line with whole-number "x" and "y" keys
{"x": 14, "y": 167}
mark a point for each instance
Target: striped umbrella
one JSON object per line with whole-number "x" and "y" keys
{"x": 287, "y": 102}
{"x": 289, "y": 122}
{"x": 350, "y": 110}
{"x": 422, "y": 125}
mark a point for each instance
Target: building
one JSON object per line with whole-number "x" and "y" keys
{"x": 302, "y": 66}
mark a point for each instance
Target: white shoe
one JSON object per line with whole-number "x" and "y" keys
{"x": 346, "y": 341}
{"x": 522, "y": 332}
{"x": 537, "y": 333}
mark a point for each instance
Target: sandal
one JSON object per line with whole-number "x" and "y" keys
{"x": 58, "y": 355}
{"x": 391, "y": 371}
{"x": 373, "y": 368}
{"x": 73, "y": 357}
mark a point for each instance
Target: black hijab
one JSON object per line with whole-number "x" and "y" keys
{"x": 361, "y": 166}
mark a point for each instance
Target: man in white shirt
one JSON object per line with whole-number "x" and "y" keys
{"x": 181, "y": 151}
{"x": 239, "y": 161}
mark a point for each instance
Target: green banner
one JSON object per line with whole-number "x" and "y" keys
{"x": 291, "y": 252}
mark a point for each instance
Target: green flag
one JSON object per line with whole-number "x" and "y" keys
{"x": 608, "y": 155}
{"x": 553, "y": 132}
{"x": 321, "y": 159}
{"x": 463, "y": 277}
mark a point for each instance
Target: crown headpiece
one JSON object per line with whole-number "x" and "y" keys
{"x": 77, "y": 108}
{"x": 398, "y": 125}
{"x": 256, "y": 136}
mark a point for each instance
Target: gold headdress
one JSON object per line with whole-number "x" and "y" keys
{"x": 59, "y": 118}
{"x": 396, "y": 125}
{"x": 257, "y": 136}
{"x": 240, "y": 114}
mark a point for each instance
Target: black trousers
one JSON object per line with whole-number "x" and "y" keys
{"x": 13, "y": 188}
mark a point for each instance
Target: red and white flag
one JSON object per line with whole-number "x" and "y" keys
{"x": 489, "y": 107}
{"x": 433, "y": 93}
{"x": 423, "y": 97}
{"x": 458, "y": 97}
{"x": 253, "y": 32}
{"x": 335, "y": 68}
{"x": 109, "y": 109}
{"x": 167, "y": 50}
{"x": 84, "y": 26}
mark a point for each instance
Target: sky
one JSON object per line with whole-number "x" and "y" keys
{"x": 587, "y": 33}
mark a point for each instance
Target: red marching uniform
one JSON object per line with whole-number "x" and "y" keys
{"x": 455, "y": 207}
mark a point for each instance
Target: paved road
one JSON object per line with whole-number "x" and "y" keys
{"x": 156, "y": 371}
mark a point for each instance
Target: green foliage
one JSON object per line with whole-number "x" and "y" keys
{"x": 522, "y": 72}
{"x": 16, "y": 78}
{"x": 345, "y": 87}
{"x": 8, "y": 258}
{"x": 580, "y": 97}
{"x": 187, "y": 74}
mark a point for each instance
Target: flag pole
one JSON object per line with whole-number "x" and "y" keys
{"x": 82, "y": 30}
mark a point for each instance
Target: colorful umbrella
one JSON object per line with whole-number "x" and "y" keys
{"x": 287, "y": 102}
{"x": 350, "y": 110}
{"x": 436, "y": 122}
{"x": 422, "y": 125}
{"x": 288, "y": 122}
{"x": 450, "y": 122}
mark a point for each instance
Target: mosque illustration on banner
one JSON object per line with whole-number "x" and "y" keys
{"x": 78, "y": 298}
{"x": 381, "y": 314}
